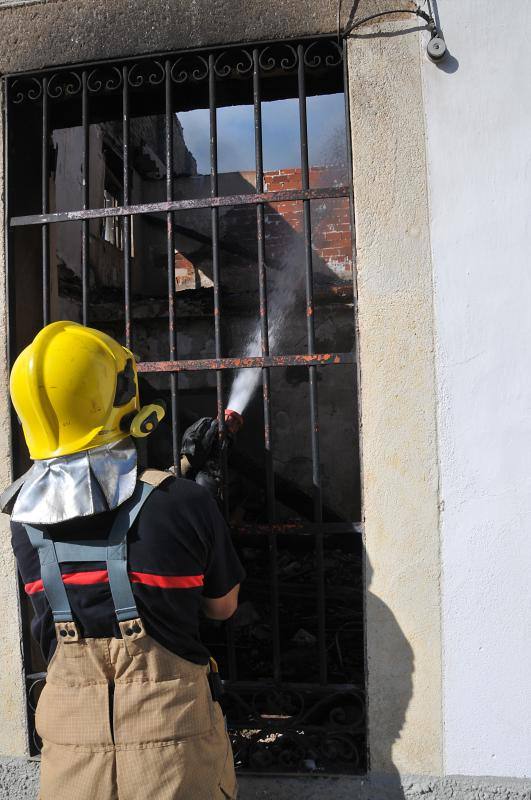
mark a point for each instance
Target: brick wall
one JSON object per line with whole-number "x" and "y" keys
{"x": 331, "y": 236}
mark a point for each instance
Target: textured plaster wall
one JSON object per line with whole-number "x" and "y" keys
{"x": 35, "y": 35}
{"x": 478, "y": 122}
{"x": 399, "y": 442}
{"x": 12, "y": 695}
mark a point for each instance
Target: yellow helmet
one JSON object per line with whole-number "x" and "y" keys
{"x": 75, "y": 388}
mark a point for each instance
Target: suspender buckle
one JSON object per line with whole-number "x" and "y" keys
{"x": 67, "y": 632}
{"x": 132, "y": 630}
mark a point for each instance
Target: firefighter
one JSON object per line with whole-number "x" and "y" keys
{"x": 117, "y": 563}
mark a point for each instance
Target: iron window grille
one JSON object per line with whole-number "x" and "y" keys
{"x": 309, "y": 722}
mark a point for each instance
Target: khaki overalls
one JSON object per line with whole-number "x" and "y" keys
{"x": 124, "y": 719}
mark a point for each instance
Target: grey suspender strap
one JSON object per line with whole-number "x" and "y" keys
{"x": 113, "y": 550}
{"x": 51, "y": 575}
{"x": 122, "y": 593}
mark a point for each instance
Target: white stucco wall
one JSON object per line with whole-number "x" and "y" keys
{"x": 478, "y": 127}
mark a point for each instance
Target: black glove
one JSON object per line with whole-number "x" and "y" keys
{"x": 200, "y": 442}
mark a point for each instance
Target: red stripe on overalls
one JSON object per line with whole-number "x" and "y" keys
{"x": 101, "y": 576}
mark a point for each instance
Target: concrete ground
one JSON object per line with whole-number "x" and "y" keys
{"x": 19, "y": 781}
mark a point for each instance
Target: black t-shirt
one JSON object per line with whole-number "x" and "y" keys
{"x": 178, "y": 549}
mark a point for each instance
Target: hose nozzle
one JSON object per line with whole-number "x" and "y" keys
{"x": 233, "y": 421}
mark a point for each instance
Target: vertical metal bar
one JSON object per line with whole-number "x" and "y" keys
{"x": 214, "y": 188}
{"x": 10, "y": 276}
{"x": 348, "y": 134}
{"x": 45, "y": 202}
{"x": 266, "y": 373}
{"x": 312, "y": 370}
{"x": 85, "y": 186}
{"x": 170, "y": 239}
{"x": 126, "y": 129}
{"x": 15, "y": 428}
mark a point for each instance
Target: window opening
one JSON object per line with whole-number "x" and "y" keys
{"x": 198, "y": 206}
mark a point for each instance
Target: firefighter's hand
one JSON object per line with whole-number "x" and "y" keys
{"x": 199, "y": 442}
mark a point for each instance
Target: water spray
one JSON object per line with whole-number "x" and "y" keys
{"x": 281, "y": 301}
{"x": 246, "y": 380}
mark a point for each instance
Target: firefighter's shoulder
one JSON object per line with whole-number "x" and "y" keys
{"x": 158, "y": 477}
{"x": 155, "y": 477}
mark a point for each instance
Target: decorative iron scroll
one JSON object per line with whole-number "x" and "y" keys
{"x": 280, "y": 56}
{"x": 104, "y": 78}
{"x": 283, "y": 728}
{"x": 323, "y": 53}
{"x": 189, "y": 67}
{"x": 64, "y": 85}
{"x": 297, "y": 751}
{"x": 233, "y": 62}
{"x": 146, "y": 73}
{"x": 35, "y": 685}
{"x": 293, "y": 729}
{"x": 26, "y": 88}
{"x": 296, "y": 730}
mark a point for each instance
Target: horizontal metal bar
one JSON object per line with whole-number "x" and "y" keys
{"x": 300, "y": 528}
{"x": 315, "y": 777}
{"x": 254, "y": 362}
{"x": 162, "y": 53}
{"x": 330, "y": 688}
{"x": 329, "y": 192}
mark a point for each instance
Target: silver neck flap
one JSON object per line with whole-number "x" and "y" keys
{"x": 79, "y": 485}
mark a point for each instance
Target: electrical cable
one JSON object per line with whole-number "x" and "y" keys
{"x": 356, "y": 23}
{"x": 340, "y": 3}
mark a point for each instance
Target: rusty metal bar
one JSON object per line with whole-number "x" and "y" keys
{"x": 126, "y": 133}
{"x": 285, "y": 196}
{"x": 170, "y": 239}
{"x": 300, "y": 529}
{"x": 10, "y": 272}
{"x": 86, "y": 202}
{"x": 214, "y": 191}
{"x": 250, "y": 362}
{"x": 314, "y": 410}
{"x": 266, "y": 375}
{"x": 45, "y": 200}
{"x": 214, "y": 213}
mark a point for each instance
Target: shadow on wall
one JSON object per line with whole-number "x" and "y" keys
{"x": 395, "y": 667}
{"x": 392, "y": 671}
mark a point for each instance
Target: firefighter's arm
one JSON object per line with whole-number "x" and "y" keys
{"x": 221, "y": 608}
